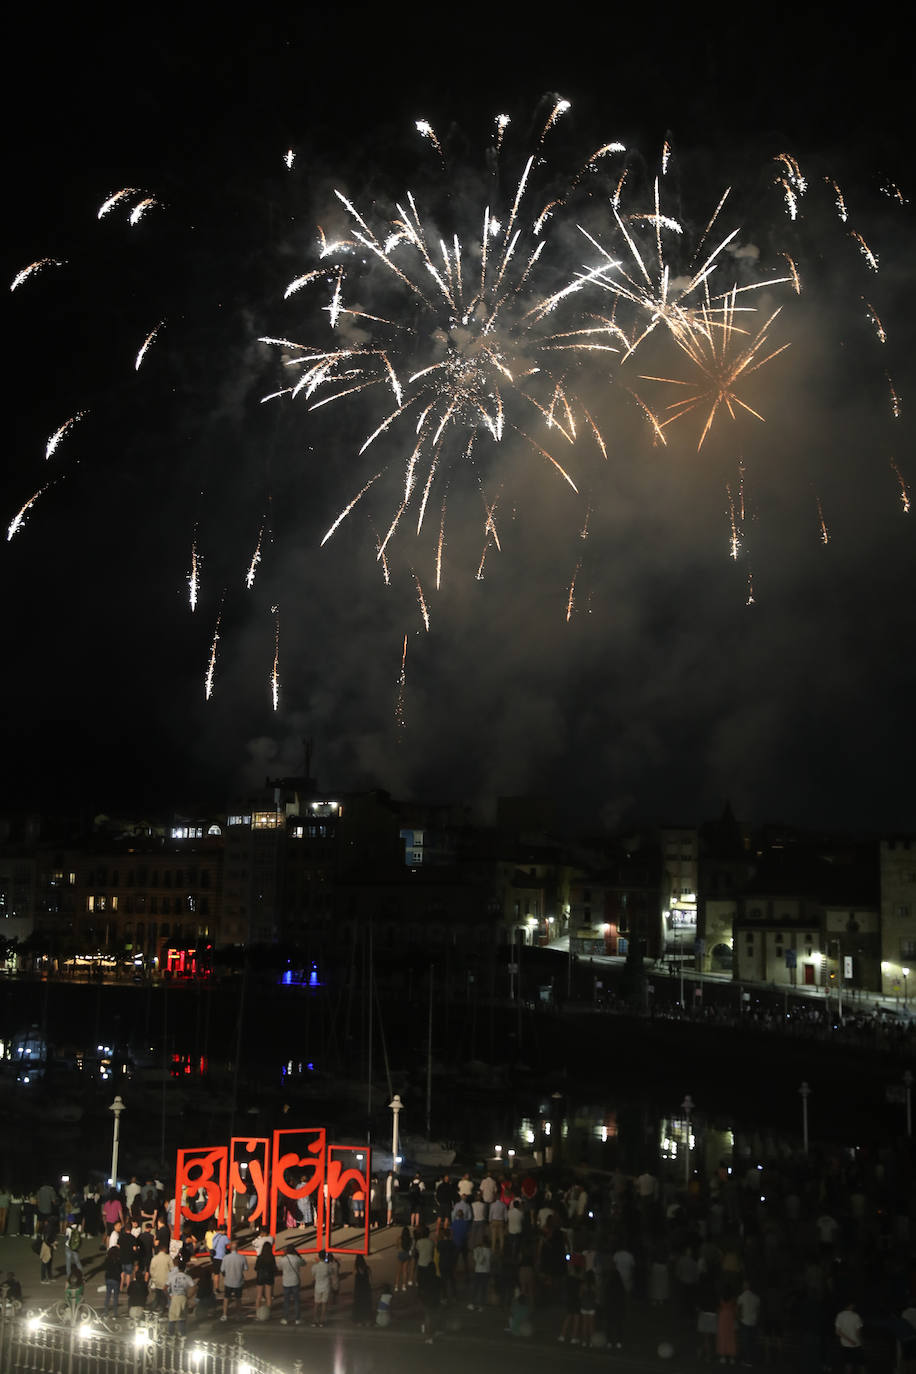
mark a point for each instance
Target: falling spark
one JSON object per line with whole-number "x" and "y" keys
{"x": 873, "y": 316}
{"x": 299, "y": 282}
{"x": 289, "y": 157}
{"x": 32, "y": 269}
{"x": 20, "y": 517}
{"x": 750, "y": 590}
{"x": 864, "y": 249}
{"x": 427, "y": 131}
{"x": 440, "y": 547}
{"x": 570, "y": 601}
{"x": 889, "y": 189}
{"x": 275, "y": 671}
{"x": 399, "y": 707}
{"x": 255, "y": 560}
{"x": 424, "y": 611}
{"x": 211, "y": 667}
{"x": 502, "y": 123}
{"x": 194, "y": 574}
{"x": 840, "y": 202}
{"x": 904, "y": 494}
{"x": 896, "y": 408}
{"x": 146, "y": 343}
{"x": 825, "y": 533}
{"x": 666, "y": 156}
{"x": 65, "y": 428}
{"x": 140, "y": 210}
{"x": 108, "y": 205}
{"x": 735, "y": 541}
{"x": 796, "y": 279}
{"x": 381, "y": 556}
{"x": 583, "y": 533}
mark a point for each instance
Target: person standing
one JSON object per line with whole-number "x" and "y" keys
{"x": 180, "y": 1286}
{"x": 265, "y": 1272}
{"x": 848, "y": 1328}
{"x": 289, "y": 1264}
{"x": 160, "y": 1266}
{"x": 234, "y": 1269}
{"x": 748, "y": 1323}
{"x": 112, "y": 1269}
{"x": 362, "y": 1293}
{"x": 321, "y": 1288}
{"x": 73, "y": 1240}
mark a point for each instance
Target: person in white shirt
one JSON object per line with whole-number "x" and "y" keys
{"x": 848, "y": 1328}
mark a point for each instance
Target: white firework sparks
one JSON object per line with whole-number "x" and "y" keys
{"x": 33, "y": 269}
{"x": 55, "y": 439}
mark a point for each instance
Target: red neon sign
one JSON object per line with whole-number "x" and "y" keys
{"x": 273, "y": 1175}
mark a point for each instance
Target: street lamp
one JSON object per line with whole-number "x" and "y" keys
{"x": 805, "y": 1093}
{"x": 117, "y": 1107}
{"x": 687, "y": 1107}
{"x": 394, "y": 1106}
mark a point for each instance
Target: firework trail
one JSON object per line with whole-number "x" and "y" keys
{"x": 872, "y": 314}
{"x": 424, "y": 611}
{"x": 19, "y": 519}
{"x": 140, "y": 210}
{"x": 840, "y": 201}
{"x": 58, "y": 435}
{"x": 864, "y": 249}
{"x": 400, "y": 702}
{"x": 108, "y": 205}
{"x": 822, "y": 523}
{"x": 211, "y": 666}
{"x": 32, "y": 270}
{"x": 194, "y": 574}
{"x": 904, "y": 493}
{"x": 570, "y": 600}
{"x": 289, "y": 157}
{"x": 275, "y": 671}
{"x": 255, "y": 560}
{"x": 750, "y": 599}
{"x": 150, "y": 338}
{"x": 735, "y": 540}
{"x": 896, "y": 408}
{"x": 795, "y": 278}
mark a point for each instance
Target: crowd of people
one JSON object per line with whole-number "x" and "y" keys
{"x": 803, "y": 1262}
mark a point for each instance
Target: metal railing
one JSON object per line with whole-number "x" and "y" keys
{"x": 72, "y": 1338}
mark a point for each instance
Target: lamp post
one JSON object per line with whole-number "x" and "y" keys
{"x": 908, "y": 1089}
{"x": 394, "y": 1107}
{"x": 117, "y": 1107}
{"x": 805, "y": 1093}
{"x": 687, "y": 1107}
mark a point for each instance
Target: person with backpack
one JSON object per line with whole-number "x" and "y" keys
{"x": 73, "y": 1240}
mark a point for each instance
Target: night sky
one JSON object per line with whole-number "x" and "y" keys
{"x": 665, "y": 693}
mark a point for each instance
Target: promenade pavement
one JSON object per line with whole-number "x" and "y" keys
{"x": 460, "y": 1334}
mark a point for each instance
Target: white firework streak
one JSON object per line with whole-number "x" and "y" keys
{"x": 33, "y": 268}
{"x": 211, "y": 666}
{"x": 275, "y": 671}
{"x": 58, "y": 435}
{"x": 108, "y": 205}
{"x": 140, "y": 210}
{"x": 402, "y": 690}
{"x": 424, "y": 609}
{"x": 840, "y": 201}
{"x": 19, "y": 519}
{"x": 870, "y": 257}
{"x": 873, "y": 317}
{"x": 194, "y": 575}
{"x": 289, "y": 157}
{"x": 146, "y": 344}
{"x": 255, "y": 560}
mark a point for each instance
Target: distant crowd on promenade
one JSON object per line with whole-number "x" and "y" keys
{"x": 802, "y": 1262}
